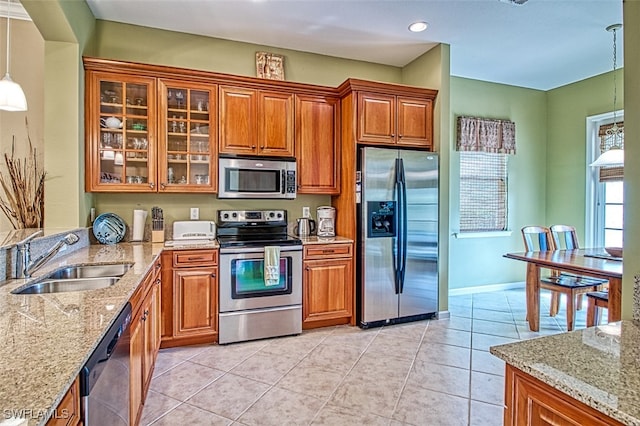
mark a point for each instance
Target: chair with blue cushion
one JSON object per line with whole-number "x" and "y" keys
{"x": 540, "y": 238}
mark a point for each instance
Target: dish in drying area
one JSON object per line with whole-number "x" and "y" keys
{"x": 109, "y": 228}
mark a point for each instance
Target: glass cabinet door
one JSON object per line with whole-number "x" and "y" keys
{"x": 123, "y": 150}
{"x": 187, "y": 150}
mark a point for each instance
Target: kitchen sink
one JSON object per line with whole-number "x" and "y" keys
{"x": 63, "y": 285}
{"x": 89, "y": 271}
{"x": 76, "y": 278}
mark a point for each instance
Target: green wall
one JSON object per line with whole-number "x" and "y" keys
{"x": 479, "y": 261}
{"x": 567, "y": 110}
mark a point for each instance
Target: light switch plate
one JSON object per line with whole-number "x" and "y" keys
{"x": 306, "y": 212}
{"x": 195, "y": 213}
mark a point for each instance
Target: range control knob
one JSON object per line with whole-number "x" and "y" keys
{"x": 234, "y": 214}
{"x": 279, "y": 215}
{"x": 225, "y": 216}
{"x": 272, "y": 214}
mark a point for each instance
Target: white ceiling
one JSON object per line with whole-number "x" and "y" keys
{"x": 541, "y": 44}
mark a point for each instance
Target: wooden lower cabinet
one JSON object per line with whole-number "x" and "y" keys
{"x": 190, "y": 310}
{"x": 68, "y": 411}
{"x": 530, "y": 402}
{"x": 328, "y": 284}
{"x": 144, "y": 341}
{"x": 195, "y": 293}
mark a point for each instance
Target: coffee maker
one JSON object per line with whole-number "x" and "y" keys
{"x": 326, "y": 221}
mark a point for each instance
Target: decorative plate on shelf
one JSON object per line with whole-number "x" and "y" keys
{"x": 109, "y": 228}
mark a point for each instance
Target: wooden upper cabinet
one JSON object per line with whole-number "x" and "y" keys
{"x": 376, "y": 118}
{"x": 415, "y": 125}
{"x": 395, "y": 120}
{"x": 187, "y": 137}
{"x": 120, "y": 133}
{"x": 238, "y": 121}
{"x": 275, "y": 124}
{"x": 254, "y": 122}
{"x": 318, "y": 144}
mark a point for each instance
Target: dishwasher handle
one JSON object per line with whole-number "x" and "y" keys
{"x": 95, "y": 364}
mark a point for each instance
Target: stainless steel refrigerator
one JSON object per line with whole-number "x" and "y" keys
{"x": 397, "y": 264}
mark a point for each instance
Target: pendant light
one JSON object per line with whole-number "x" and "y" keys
{"x": 614, "y": 155}
{"x": 11, "y": 95}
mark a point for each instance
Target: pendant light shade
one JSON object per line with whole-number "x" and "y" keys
{"x": 611, "y": 158}
{"x": 11, "y": 95}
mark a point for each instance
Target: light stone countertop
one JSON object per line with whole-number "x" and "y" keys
{"x": 325, "y": 240}
{"x": 599, "y": 366}
{"x": 46, "y": 339}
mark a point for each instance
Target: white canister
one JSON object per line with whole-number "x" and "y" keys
{"x": 326, "y": 221}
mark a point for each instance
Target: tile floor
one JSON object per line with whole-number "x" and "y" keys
{"x": 436, "y": 372}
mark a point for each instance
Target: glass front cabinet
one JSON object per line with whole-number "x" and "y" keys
{"x": 120, "y": 133}
{"x": 145, "y": 134}
{"x": 187, "y": 149}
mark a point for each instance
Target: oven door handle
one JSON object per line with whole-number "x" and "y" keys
{"x": 243, "y": 250}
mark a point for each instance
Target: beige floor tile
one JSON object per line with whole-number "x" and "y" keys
{"x": 412, "y": 330}
{"x": 483, "y": 342}
{"x": 440, "y": 378}
{"x": 188, "y": 415}
{"x": 334, "y": 416}
{"x": 229, "y": 396}
{"x": 392, "y": 345}
{"x": 486, "y": 363}
{"x": 420, "y": 406}
{"x": 184, "y": 380}
{"x": 155, "y": 406}
{"x": 227, "y": 356}
{"x": 366, "y": 396}
{"x": 265, "y": 367}
{"x": 454, "y": 322}
{"x": 351, "y": 336}
{"x": 165, "y": 362}
{"x": 282, "y": 407}
{"x": 497, "y": 316}
{"x": 333, "y": 357}
{"x": 439, "y": 353}
{"x": 448, "y": 336}
{"x": 381, "y": 369}
{"x": 495, "y": 328}
{"x": 293, "y": 347}
{"x": 311, "y": 380}
{"x": 460, "y": 309}
{"x": 186, "y": 352}
{"x": 483, "y": 414}
{"x": 487, "y": 388}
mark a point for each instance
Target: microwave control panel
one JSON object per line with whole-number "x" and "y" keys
{"x": 290, "y": 182}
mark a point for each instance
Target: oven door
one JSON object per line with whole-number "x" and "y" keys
{"x": 242, "y": 279}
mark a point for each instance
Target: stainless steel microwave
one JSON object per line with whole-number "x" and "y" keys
{"x": 256, "y": 177}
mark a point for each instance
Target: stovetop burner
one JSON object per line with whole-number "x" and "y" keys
{"x": 254, "y": 228}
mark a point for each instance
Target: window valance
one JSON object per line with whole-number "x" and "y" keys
{"x": 486, "y": 135}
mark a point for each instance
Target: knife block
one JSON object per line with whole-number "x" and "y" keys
{"x": 157, "y": 236}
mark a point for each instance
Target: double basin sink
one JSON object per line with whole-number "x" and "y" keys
{"x": 76, "y": 278}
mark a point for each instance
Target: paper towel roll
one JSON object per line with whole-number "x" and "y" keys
{"x": 139, "y": 218}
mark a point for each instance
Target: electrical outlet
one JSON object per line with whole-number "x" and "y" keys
{"x": 305, "y": 212}
{"x": 195, "y": 213}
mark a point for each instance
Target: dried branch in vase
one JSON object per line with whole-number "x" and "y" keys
{"x": 23, "y": 200}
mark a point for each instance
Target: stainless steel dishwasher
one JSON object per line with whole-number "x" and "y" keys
{"x": 104, "y": 379}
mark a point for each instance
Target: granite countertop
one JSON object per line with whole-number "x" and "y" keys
{"x": 325, "y": 240}
{"x": 599, "y": 366}
{"x": 47, "y": 338}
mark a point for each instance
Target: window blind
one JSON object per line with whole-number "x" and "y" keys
{"x": 610, "y": 174}
{"x": 483, "y": 192}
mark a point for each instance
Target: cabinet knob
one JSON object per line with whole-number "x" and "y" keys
{"x": 393, "y": 135}
{"x": 152, "y": 185}
{"x": 146, "y": 313}
{"x": 158, "y": 281}
{"x": 253, "y": 147}
{"x": 213, "y": 275}
{"x": 399, "y": 136}
{"x": 158, "y": 265}
{"x": 261, "y": 146}
{"x": 163, "y": 185}
{"x": 306, "y": 268}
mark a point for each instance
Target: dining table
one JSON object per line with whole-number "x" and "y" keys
{"x": 594, "y": 262}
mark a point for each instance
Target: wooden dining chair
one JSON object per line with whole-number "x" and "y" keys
{"x": 566, "y": 238}
{"x": 541, "y": 238}
{"x": 595, "y": 302}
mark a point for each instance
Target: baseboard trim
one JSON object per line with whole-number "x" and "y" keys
{"x": 485, "y": 288}
{"x": 443, "y": 315}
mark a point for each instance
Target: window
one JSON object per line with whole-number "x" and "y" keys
{"x": 604, "y": 201}
{"x": 483, "y": 192}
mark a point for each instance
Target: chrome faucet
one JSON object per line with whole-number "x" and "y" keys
{"x": 28, "y": 267}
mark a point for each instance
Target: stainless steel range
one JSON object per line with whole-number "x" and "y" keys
{"x": 258, "y": 302}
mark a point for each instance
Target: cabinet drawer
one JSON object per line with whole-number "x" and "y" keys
{"x": 186, "y": 258}
{"x": 324, "y": 251}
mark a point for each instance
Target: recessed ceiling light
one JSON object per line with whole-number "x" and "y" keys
{"x": 417, "y": 27}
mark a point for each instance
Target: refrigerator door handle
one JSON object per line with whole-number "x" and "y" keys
{"x": 397, "y": 260}
{"x": 404, "y": 226}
